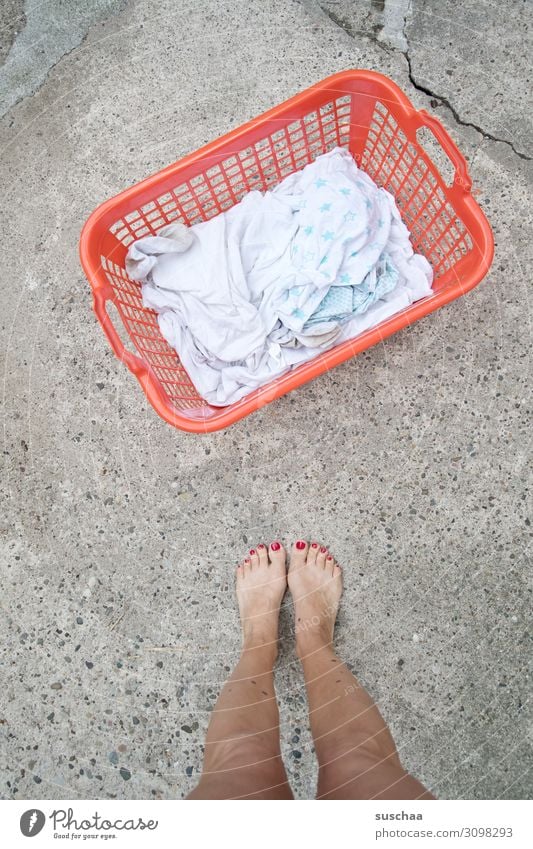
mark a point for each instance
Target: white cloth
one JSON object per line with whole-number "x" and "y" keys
{"x": 236, "y": 295}
{"x": 146, "y": 253}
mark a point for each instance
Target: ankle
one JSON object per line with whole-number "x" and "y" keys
{"x": 261, "y": 642}
{"x": 312, "y": 642}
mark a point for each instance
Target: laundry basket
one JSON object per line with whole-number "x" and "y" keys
{"x": 360, "y": 110}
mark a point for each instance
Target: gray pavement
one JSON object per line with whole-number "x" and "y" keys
{"x": 119, "y": 534}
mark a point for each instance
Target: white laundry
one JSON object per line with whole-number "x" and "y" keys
{"x": 255, "y": 290}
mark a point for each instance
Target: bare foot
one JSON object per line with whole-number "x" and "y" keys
{"x": 261, "y": 585}
{"x": 315, "y": 581}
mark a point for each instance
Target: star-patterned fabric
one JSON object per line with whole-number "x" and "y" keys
{"x": 344, "y": 225}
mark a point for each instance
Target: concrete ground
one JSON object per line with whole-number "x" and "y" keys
{"x": 119, "y": 534}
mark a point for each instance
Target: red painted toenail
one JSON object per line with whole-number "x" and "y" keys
{"x": 275, "y": 546}
{"x": 246, "y": 560}
{"x": 260, "y": 545}
{"x": 300, "y": 544}
{"x": 329, "y": 557}
{"x": 315, "y": 545}
{"x": 323, "y": 550}
{"x": 252, "y": 551}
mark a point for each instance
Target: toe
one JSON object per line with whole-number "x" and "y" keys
{"x": 239, "y": 571}
{"x": 337, "y": 572}
{"x": 277, "y": 554}
{"x": 246, "y": 566}
{"x": 262, "y": 554}
{"x": 299, "y": 554}
{"x": 321, "y": 556}
{"x": 312, "y": 553}
{"x": 254, "y": 558}
{"x": 330, "y": 563}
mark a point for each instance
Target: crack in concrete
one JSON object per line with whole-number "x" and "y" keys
{"x": 457, "y": 117}
{"x": 348, "y": 29}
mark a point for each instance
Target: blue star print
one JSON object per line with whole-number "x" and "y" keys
{"x": 368, "y": 203}
{"x": 325, "y": 207}
{"x": 327, "y": 236}
{"x": 320, "y": 182}
{"x": 308, "y": 230}
{"x": 345, "y": 192}
{"x": 324, "y": 260}
{"x": 297, "y": 313}
{"x": 345, "y": 278}
{"x": 349, "y": 216}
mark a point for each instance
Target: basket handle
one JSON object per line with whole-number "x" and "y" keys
{"x": 134, "y": 363}
{"x": 462, "y": 178}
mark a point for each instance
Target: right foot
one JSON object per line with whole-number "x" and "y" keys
{"x": 315, "y": 581}
{"x": 261, "y": 585}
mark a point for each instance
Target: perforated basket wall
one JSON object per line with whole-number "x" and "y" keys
{"x": 437, "y": 230}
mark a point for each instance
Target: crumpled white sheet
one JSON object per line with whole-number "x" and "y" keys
{"x": 252, "y": 292}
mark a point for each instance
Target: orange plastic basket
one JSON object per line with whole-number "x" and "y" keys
{"x": 360, "y": 110}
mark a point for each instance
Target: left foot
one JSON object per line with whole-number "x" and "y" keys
{"x": 261, "y": 585}
{"x": 315, "y": 581}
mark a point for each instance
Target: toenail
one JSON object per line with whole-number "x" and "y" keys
{"x": 246, "y": 560}
{"x": 329, "y": 557}
{"x": 300, "y": 544}
{"x": 315, "y": 545}
{"x": 252, "y": 551}
{"x": 260, "y": 545}
{"x": 275, "y": 546}
{"x": 323, "y": 550}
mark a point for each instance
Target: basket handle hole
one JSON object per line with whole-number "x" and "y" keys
{"x": 118, "y": 325}
{"x": 436, "y": 155}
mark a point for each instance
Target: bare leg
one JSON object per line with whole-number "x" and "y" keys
{"x": 356, "y": 753}
{"x": 242, "y": 752}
